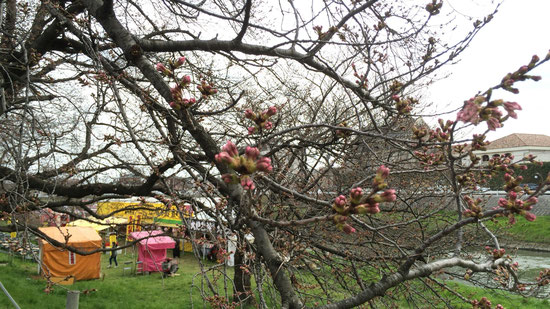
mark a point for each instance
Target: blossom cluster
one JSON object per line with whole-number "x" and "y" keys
{"x": 518, "y": 206}
{"x": 260, "y": 119}
{"x": 484, "y": 303}
{"x": 242, "y": 165}
{"x": 361, "y": 203}
{"x": 520, "y": 75}
{"x": 496, "y": 253}
{"x": 477, "y": 110}
{"x": 361, "y": 78}
{"x": 403, "y": 105}
{"x": 182, "y": 85}
{"x": 544, "y": 277}
{"x": 474, "y": 207}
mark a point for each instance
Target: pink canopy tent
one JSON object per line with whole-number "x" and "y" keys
{"x": 152, "y": 250}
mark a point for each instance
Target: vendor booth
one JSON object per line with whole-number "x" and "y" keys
{"x": 59, "y": 262}
{"x": 99, "y": 225}
{"x": 152, "y": 250}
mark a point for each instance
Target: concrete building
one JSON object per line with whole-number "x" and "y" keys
{"x": 519, "y": 145}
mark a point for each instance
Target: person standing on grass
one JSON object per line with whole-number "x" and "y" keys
{"x": 113, "y": 255}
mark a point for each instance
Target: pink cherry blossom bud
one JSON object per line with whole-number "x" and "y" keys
{"x": 348, "y": 229}
{"x": 530, "y": 216}
{"x": 383, "y": 171}
{"x": 389, "y": 195}
{"x": 493, "y": 124}
{"x": 160, "y": 67}
{"x": 251, "y": 130}
{"x": 523, "y": 69}
{"x": 512, "y": 220}
{"x": 249, "y": 114}
{"x": 469, "y": 113}
{"x": 252, "y": 152}
{"x": 231, "y": 149}
{"x": 340, "y": 200}
{"x": 247, "y": 183}
{"x": 511, "y": 107}
{"x": 536, "y": 78}
{"x": 373, "y": 209}
{"x": 395, "y": 97}
{"x": 356, "y": 193}
{"x": 512, "y": 195}
{"x": 192, "y": 101}
{"x": 523, "y": 167}
{"x": 272, "y": 110}
{"x": 186, "y": 80}
{"x": 224, "y": 157}
{"x": 173, "y": 104}
{"x": 268, "y": 125}
{"x": 502, "y": 202}
{"x": 264, "y": 164}
{"x": 228, "y": 178}
{"x": 507, "y": 177}
{"x": 532, "y": 200}
{"x": 180, "y": 61}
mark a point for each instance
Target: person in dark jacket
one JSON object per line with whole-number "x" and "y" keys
{"x": 113, "y": 256}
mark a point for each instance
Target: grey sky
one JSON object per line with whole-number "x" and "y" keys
{"x": 519, "y": 30}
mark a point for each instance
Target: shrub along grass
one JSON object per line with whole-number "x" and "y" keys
{"x": 113, "y": 290}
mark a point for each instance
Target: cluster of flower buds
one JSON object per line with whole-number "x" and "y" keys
{"x": 519, "y": 75}
{"x": 260, "y": 119}
{"x": 164, "y": 70}
{"x": 361, "y": 78}
{"x": 474, "y": 207}
{"x": 479, "y": 142}
{"x": 321, "y": 34}
{"x": 403, "y": 106}
{"x": 206, "y": 89}
{"x": 484, "y": 303}
{"x": 544, "y": 277}
{"x": 361, "y": 203}
{"x": 518, "y": 206}
{"x": 477, "y": 110}
{"x": 177, "y": 92}
{"x": 496, "y": 253}
{"x": 243, "y": 165}
{"x": 419, "y": 133}
{"x": 434, "y": 7}
{"x": 173, "y": 64}
{"x": 429, "y": 158}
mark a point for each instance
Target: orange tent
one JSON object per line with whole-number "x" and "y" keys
{"x": 61, "y": 262}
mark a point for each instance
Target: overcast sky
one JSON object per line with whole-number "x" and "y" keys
{"x": 519, "y": 30}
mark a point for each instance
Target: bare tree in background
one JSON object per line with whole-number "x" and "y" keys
{"x": 347, "y": 193}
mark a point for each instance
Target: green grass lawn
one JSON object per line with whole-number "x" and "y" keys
{"x": 536, "y": 231}
{"x": 508, "y": 300}
{"x": 113, "y": 291}
{"x": 150, "y": 291}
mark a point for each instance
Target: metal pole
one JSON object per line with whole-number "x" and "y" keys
{"x": 72, "y": 299}
{"x": 9, "y": 296}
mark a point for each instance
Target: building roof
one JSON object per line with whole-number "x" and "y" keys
{"x": 73, "y": 235}
{"x": 154, "y": 242}
{"x": 520, "y": 140}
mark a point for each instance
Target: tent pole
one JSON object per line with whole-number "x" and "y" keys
{"x": 9, "y": 296}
